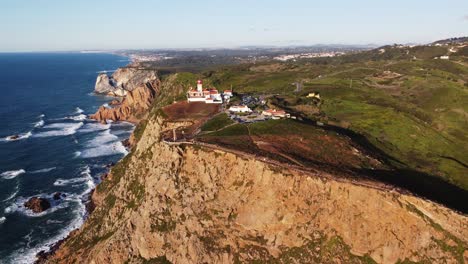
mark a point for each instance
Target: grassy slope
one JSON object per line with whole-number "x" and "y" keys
{"x": 419, "y": 118}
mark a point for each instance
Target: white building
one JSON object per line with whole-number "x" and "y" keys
{"x": 275, "y": 113}
{"x": 240, "y": 109}
{"x": 444, "y": 57}
{"x": 209, "y": 96}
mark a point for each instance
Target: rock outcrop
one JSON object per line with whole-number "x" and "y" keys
{"x": 133, "y": 107}
{"x": 124, "y": 80}
{"x": 104, "y": 84}
{"x": 191, "y": 204}
{"x": 37, "y": 204}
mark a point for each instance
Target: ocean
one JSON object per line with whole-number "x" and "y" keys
{"x": 44, "y": 100}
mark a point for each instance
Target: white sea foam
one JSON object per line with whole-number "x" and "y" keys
{"x": 18, "y": 206}
{"x": 13, "y": 195}
{"x": 106, "y": 71}
{"x": 7, "y": 175}
{"x": 78, "y": 110}
{"x": 44, "y": 170}
{"x": 85, "y": 178}
{"x": 60, "y": 129}
{"x": 28, "y": 255}
{"x": 2, "y": 220}
{"x": 39, "y": 123}
{"x": 89, "y": 181}
{"x": 104, "y": 144}
{"x": 92, "y": 127}
{"x": 79, "y": 117}
{"x": 63, "y": 182}
{"x": 20, "y": 136}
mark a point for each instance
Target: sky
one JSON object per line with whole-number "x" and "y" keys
{"x": 53, "y": 25}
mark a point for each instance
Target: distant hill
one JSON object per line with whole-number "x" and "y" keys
{"x": 452, "y": 41}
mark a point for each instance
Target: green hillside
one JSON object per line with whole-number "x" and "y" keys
{"x": 408, "y": 104}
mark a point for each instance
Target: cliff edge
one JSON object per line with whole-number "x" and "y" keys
{"x": 124, "y": 80}
{"x": 190, "y": 204}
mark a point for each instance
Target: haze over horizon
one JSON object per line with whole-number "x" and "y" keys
{"x": 86, "y": 25}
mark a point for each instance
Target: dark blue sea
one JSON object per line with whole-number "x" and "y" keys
{"x": 45, "y": 100}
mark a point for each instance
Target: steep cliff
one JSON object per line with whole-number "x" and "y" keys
{"x": 124, "y": 80}
{"x": 191, "y": 204}
{"x": 133, "y": 107}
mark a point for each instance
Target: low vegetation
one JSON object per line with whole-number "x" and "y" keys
{"x": 217, "y": 122}
{"x": 405, "y": 102}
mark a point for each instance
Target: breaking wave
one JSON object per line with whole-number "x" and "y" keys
{"x": 2, "y": 220}
{"x": 17, "y": 137}
{"x": 60, "y": 129}
{"x": 104, "y": 144}
{"x": 44, "y": 170}
{"x": 106, "y": 71}
{"x": 79, "y": 110}
{"x": 80, "y": 117}
{"x": 28, "y": 255}
{"x": 13, "y": 195}
{"x": 7, "y": 175}
{"x": 93, "y": 127}
{"x": 40, "y": 123}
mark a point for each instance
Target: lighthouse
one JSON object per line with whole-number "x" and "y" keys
{"x": 199, "y": 86}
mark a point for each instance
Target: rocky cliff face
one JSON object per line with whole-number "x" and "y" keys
{"x": 124, "y": 80}
{"x": 189, "y": 204}
{"x": 134, "y": 106}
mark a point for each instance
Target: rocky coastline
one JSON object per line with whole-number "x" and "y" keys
{"x": 156, "y": 206}
{"x": 135, "y": 89}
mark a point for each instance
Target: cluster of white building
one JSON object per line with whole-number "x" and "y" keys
{"x": 209, "y": 96}
{"x": 273, "y": 113}
{"x": 308, "y": 55}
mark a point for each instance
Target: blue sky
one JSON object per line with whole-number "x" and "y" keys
{"x": 52, "y": 25}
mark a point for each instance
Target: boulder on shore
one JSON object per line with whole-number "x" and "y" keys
{"x": 37, "y": 204}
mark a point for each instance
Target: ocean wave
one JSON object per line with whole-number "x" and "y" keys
{"x": 89, "y": 181}
{"x": 79, "y": 110}
{"x": 28, "y": 255}
{"x": 17, "y": 137}
{"x": 64, "y": 182}
{"x": 13, "y": 195}
{"x": 43, "y": 170}
{"x": 2, "y": 220}
{"x": 80, "y": 117}
{"x": 93, "y": 127}
{"x": 40, "y": 123}
{"x": 104, "y": 144}
{"x": 7, "y": 175}
{"x": 85, "y": 178}
{"x": 106, "y": 71}
{"x": 60, "y": 129}
{"x": 18, "y": 205}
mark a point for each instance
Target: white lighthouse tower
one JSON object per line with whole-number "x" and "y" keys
{"x": 200, "y": 86}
